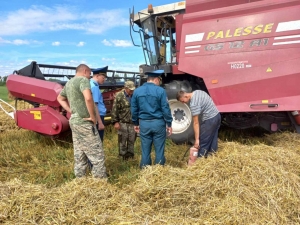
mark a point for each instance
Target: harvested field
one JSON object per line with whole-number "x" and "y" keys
{"x": 251, "y": 180}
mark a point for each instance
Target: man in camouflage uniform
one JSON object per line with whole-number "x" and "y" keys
{"x": 76, "y": 98}
{"x": 121, "y": 118}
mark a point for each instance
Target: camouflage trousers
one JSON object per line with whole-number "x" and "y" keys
{"x": 126, "y": 139}
{"x": 87, "y": 146}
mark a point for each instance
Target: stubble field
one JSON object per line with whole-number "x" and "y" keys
{"x": 251, "y": 180}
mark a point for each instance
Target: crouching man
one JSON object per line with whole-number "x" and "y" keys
{"x": 206, "y": 120}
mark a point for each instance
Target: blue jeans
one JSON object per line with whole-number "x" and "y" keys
{"x": 209, "y": 135}
{"x": 153, "y": 132}
{"x": 101, "y": 132}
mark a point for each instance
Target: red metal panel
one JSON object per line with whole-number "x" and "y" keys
{"x": 201, "y": 5}
{"x": 280, "y": 90}
{"x": 246, "y": 58}
{"x": 284, "y": 104}
{"x": 175, "y": 70}
{"x": 44, "y": 120}
{"x": 179, "y": 19}
{"x": 108, "y": 98}
{"x": 238, "y": 10}
{"x": 32, "y": 89}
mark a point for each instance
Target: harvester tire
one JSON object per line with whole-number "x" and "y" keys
{"x": 182, "y": 124}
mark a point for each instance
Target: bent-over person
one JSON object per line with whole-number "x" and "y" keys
{"x": 205, "y": 129}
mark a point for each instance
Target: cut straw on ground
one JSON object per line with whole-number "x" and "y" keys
{"x": 253, "y": 180}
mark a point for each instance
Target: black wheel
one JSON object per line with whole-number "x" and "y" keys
{"x": 182, "y": 117}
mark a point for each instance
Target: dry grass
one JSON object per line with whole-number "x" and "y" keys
{"x": 253, "y": 180}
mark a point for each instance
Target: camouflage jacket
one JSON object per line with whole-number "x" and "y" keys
{"x": 121, "y": 109}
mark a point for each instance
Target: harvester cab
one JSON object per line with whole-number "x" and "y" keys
{"x": 157, "y": 32}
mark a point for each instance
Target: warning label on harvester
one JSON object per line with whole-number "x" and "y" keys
{"x": 36, "y": 115}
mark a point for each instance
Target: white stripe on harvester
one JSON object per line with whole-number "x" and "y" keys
{"x": 194, "y": 46}
{"x": 286, "y": 42}
{"x": 188, "y": 52}
{"x": 193, "y": 37}
{"x": 288, "y": 26}
{"x": 286, "y": 37}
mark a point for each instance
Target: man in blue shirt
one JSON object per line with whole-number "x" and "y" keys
{"x": 152, "y": 118}
{"x": 99, "y": 76}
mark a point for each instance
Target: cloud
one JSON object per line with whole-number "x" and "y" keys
{"x": 117, "y": 43}
{"x": 15, "y": 42}
{"x": 9, "y": 67}
{"x": 20, "y": 42}
{"x": 80, "y": 44}
{"x": 56, "y": 43}
{"x": 103, "y": 20}
{"x": 106, "y": 42}
{"x": 124, "y": 66}
{"x": 108, "y": 59}
{"x": 2, "y": 41}
{"x": 72, "y": 62}
{"x": 45, "y": 19}
{"x": 121, "y": 43}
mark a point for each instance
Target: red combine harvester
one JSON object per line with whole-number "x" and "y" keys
{"x": 244, "y": 53}
{"x": 46, "y": 116}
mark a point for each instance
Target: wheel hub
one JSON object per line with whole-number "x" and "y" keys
{"x": 182, "y": 116}
{"x": 178, "y": 114}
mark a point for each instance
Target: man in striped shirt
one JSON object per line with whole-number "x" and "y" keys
{"x": 206, "y": 114}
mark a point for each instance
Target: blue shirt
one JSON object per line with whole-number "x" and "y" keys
{"x": 149, "y": 102}
{"x": 98, "y": 98}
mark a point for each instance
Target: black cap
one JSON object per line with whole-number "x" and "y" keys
{"x": 101, "y": 70}
{"x": 155, "y": 73}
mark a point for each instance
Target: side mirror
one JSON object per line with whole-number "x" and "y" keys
{"x": 131, "y": 14}
{"x": 146, "y": 36}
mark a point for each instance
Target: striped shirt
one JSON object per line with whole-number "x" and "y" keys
{"x": 202, "y": 104}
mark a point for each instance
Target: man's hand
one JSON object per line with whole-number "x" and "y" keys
{"x": 117, "y": 126}
{"x": 101, "y": 126}
{"x": 63, "y": 101}
{"x": 169, "y": 131}
{"x": 137, "y": 129}
{"x": 93, "y": 119}
{"x": 197, "y": 144}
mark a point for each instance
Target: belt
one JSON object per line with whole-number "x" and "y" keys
{"x": 152, "y": 119}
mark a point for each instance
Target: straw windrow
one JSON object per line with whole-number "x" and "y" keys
{"x": 249, "y": 181}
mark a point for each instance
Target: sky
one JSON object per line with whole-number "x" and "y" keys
{"x": 69, "y": 32}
